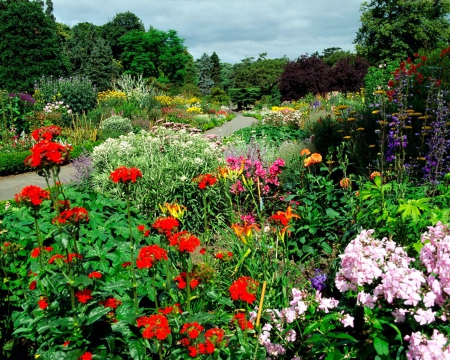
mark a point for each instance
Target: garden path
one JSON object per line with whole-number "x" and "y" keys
{"x": 11, "y": 185}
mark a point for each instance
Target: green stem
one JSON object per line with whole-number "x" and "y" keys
{"x": 133, "y": 273}
{"x": 188, "y": 292}
{"x": 38, "y": 238}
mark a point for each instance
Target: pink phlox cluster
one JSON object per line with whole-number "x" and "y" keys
{"x": 435, "y": 255}
{"x": 346, "y": 319}
{"x": 420, "y": 347}
{"x": 326, "y": 304}
{"x": 256, "y": 170}
{"x": 237, "y": 187}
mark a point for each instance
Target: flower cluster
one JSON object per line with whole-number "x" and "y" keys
{"x": 75, "y": 216}
{"x": 314, "y": 158}
{"x": 47, "y": 153}
{"x": 181, "y": 281}
{"x": 244, "y": 289}
{"x": 32, "y": 195}
{"x": 83, "y": 295}
{"x": 318, "y": 281}
{"x": 46, "y": 133}
{"x": 205, "y": 180}
{"x": 155, "y": 326}
{"x": 420, "y": 347}
{"x": 124, "y": 175}
{"x": 213, "y": 339}
{"x": 36, "y": 251}
{"x": 149, "y": 255}
{"x": 166, "y": 225}
{"x": 184, "y": 241}
{"x": 242, "y": 322}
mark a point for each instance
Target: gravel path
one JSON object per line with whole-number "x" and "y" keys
{"x": 11, "y": 185}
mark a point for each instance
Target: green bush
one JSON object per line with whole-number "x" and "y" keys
{"x": 117, "y": 123}
{"x": 275, "y": 134}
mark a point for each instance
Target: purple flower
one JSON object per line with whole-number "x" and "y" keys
{"x": 318, "y": 281}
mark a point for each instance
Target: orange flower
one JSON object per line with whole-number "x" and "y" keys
{"x": 283, "y": 217}
{"x": 315, "y": 158}
{"x": 175, "y": 210}
{"x": 244, "y": 232}
{"x": 375, "y": 174}
{"x": 345, "y": 183}
{"x": 305, "y": 152}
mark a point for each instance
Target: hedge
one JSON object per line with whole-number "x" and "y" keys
{"x": 13, "y": 163}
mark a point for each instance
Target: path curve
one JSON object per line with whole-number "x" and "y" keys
{"x": 12, "y": 184}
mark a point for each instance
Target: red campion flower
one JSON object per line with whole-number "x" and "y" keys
{"x": 32, "y": 195}
{"x": 165, "y": 225}
{"x": 71, "y": 257}
{"x": 86, "y": 356}
{"x": 75, "y": 216}
{"x": 215, "y": 335}
{"x": 48, "y": 153}
{"x": 244, "y": 289}
{"x": 184, "y": 241}
{"x": 181, "y": 281}
{"x": 126, "y": 264}
{"x": 83, "y": 295}
{"x": 206, "y": 348}
{"x": 156, "y": 326}
{"x": 111, "y": 302}
{"x": 192, "y": 330}
{"x": 95, "y": 275}
{"x": 55, "y": 257}
{"x": 124, "y": 175}
{"x": 192, "y": 351}
{"x": 36, "y": 251}
{"x": 225, "y": 256}
{"x": 149, "y": 255}
{"x": 242, "y": 322}
{"x": 205, "y": 180}
{"x": 43, "y": 304}
{"x": 46, "y": 133}
{"x": 32, "y": 285}
{"x": 141, "y": 228}
{"x": 175, "y": 309}
{"x": 66, "y": 343}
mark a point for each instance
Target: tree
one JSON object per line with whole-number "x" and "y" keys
{"x": 308, "y": 74}
{"x": 396, "y": 29}
{"x": 155, "y": 53}
{"x": 204, "y": 68}
{"x": 348, "y": 74}
{"x": 29, "y": 45}
{"x": 49, "y": 10}
{"x": 121, "y": 24}
{"x": 215, "y": 71}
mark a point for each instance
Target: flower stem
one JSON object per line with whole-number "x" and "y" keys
{"x": 133, "y": 273}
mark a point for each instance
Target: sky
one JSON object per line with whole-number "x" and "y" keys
{"x": 234, "y": 29}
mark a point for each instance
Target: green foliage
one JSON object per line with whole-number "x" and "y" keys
{"x": 117, "y": 123}
{"x": 218, "y": 95}
{"x": 155, "y": 53}
{"x": 29, "y": 46}
{"x": 77, "y": 92}
{"x": 215, "y": 71}
{"x": 394, "y": 30}
{"x": 244, "y": 97}
{"x": 377, "y": 77}
{"x": 204, "y": 69}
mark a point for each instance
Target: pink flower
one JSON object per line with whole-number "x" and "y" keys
{"x": 399, "y": 315}
{"x": 424, "y": 316}
{"x": 347, "y": 320}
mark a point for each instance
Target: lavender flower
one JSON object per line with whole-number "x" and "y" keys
{"x": 318, "y": 281}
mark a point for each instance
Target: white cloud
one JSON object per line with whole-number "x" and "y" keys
{"x": 233, "y": 29}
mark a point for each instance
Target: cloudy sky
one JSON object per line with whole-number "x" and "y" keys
{"x": 234, "y": 29}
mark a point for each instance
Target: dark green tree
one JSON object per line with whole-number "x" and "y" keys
{"x": 191, "y": 76}
{"x": 121, "y": 24}
{"x": 155, "y": 53}
{"x": 215, "y": 71}
{"x": 204, "y": 69}
{"x": 332, "y": 55}
{"x": 49, "y": 9}
{"x": 396, "y": 29}
{"x": 226, "y": 76}
{"x": 28, "y": 45}
{"x": 90, "y": 55}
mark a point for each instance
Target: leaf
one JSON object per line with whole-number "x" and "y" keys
{"x": 342, "y": 336}
{"x": 137, "y": 350}
{"x": 96, "y": 314}
{"x": 326, "y": 248}
{"x": 381, "y": 346}
{"x": 311, "y": 328}
{"x": 332, "y": 213}
{"x": 82, "y": 280}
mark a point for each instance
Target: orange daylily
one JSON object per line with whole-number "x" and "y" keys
{"x": 244, "y": 232}
{"x": 175, "y": 210}
{"x": 283, "y": 217}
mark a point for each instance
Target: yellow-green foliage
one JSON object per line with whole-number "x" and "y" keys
{"x": 106, "y": 96}
{"x": 194, "y": 110}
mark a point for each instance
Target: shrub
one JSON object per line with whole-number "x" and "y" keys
{"x": 117, "y": 123}
{"x": 77, "y": 92}
{"x": 348, "y": 74}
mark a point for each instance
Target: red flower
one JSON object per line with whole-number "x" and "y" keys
{"x": 192, "y": 351}
{"x": 71, "y": 257}
{"x": 175, "y": 309}
{"x": 125, "y": 175}
{"x": 46, "y": 133}
{"x": 156, "y": 326}
{"x": 43, "y": 304}
{"x": 86, "y": 356}
{"x": 244, "y": 289}
{"x": 126, "y": 264}
{"x": 32, "y": 285}
{"x": 47, "y": 153}
{"x": 111, "y": 302}
{"x": 148, "y": 255}
{"x": 206, "y": 348}
{"x": 181, "y": 281}
{"x": 32, "y": 195}
{"x": 55, "y": 257}
{"x": 84, "y": 295}
{"x": 192, "y": 330}
{"x": 215, "y": 335}
{"x": 205, "y": 180}
{"x": 95, "y": 275}
{"x": 66, "y": 343}
{"x": 36, "y": 251}
{"x": 184, "y": 241}
{"x": 202, "y": 251}
{"x": 141, "y": 228}
{"x": 76, "y": 215}
{"x": 242, "y": 322}
{"x": 165, "y": 225}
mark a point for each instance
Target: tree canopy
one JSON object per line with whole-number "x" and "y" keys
{"x": 396, "y": 29}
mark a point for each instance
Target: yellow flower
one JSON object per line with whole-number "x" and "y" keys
{"x": 347, "y": 137}
{"x": 341, "y": 107}
{"x": 383, "y": 122}
{"x": 175, "y": 210}
{"x": 421, "y": 159}
{"x": 360, "y": 129}
{"x": 407, "y": 127}
{"x": 340, "y": 131}
{"x": 194, "y": 110}
{"x": 375, "y": 111}
{"x": 425, "y": 117}
{"x": 410, "y": 111}
{"x": 379, "y": 92}
{"x": 351, "y": 119}
{"x": 426, "y": 128}
{"x": 372, "y": 146}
